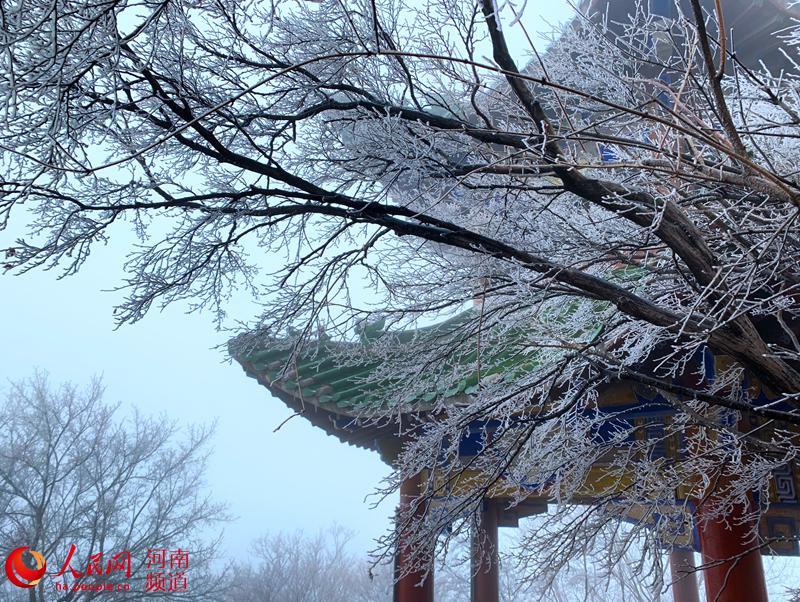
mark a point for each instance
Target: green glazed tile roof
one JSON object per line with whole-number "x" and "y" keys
{"x": 350, "y": 378}
{"x": 345, "y": 377}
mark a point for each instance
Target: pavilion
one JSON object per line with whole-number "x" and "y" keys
{"x": 343, "y": 398}
{"x": 340, "y": 397}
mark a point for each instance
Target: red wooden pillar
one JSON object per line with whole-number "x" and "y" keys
{"x": 736, "y": 574}
{"x": 684, "y": 579}
{"x": 408, "y": 588}
{"x": 485, "y": 559}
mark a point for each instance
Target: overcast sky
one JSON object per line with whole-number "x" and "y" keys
{"x": 295, "y": 478}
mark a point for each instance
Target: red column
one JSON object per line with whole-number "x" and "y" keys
{"x": 684, "y": 579}
{"x": 485, "y": 558}
{"x": 737, "y": 574}
{"x": 408, "y": 588}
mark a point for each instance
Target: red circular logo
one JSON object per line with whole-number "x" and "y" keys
{"x": 19, "y": 573}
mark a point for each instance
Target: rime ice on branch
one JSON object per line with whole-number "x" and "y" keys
{"x": 619, "y": 205}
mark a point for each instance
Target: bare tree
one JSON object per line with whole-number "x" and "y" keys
{"x": 621, "y": 205}
{"x": 309, "y": 568}
{"x": 609, "y": 569}
{"x": 595, "y": 574}
{"x": 77, "y": 481}
{"x": 298, "y": 567}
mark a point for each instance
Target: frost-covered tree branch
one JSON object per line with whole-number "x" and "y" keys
{"x": 620, "y": 202}
{"x": 75, "y": 476}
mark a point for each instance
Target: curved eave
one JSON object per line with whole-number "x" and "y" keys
{"x": 344, "y": 427}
